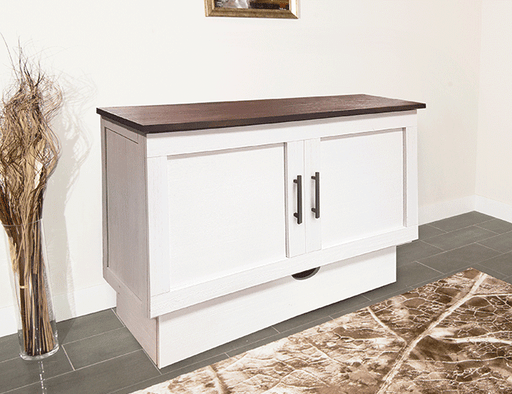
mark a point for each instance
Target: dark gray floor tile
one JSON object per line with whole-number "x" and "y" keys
{"x": 86, "y": 326}
{"x": 251, "y": 338}
{"x": 293, "y": 326}
{"x": 192, "y": 367}
{"x": 328, "y": 311}
{"x": 17, "y": 372}
{"x": 34, "y": 388}
{"x": 426, "y": 281}
{"x": 501, "y": 264}
{"x": 459, "y": 259}
{"x": 497, "y": 225}
{"x": 461, "y": 221}
{"x": 352, "y": 307}
{"x": 277, "y": 336}
{"x": 407, "y": 275}
{"x": 9, "y": 347}
{"x": 457, "y": 238}
{"x": 508, "y": 279}
{"x": 105, "y": 377}
{"x": 349, "y": 305}
{"x": 427, "y": 231}
{"x": 413, "y": 251}
{"x": 199, "y": 359}
{"x": 414, "y": 273}
{"x": 489, "y": 271}
{"x": 169, "y": 375}
{"x": 293, "y": 323}
{"x": 254, "y": 345}
{"x": 501, "y": 243}
{"x": 101, "y": 347}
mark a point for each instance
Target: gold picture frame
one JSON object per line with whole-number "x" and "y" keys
{"x": 252, "y": 8}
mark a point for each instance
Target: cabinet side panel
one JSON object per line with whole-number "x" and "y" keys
{"x": 126, "y": 211}
{"x": 104, "y": 198}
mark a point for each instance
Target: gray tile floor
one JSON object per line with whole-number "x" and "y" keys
{"x": 99, "y": 355}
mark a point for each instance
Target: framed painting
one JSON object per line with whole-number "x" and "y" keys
{"x": 252, "y": 8}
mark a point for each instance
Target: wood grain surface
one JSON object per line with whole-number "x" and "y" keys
{"x": 183, "y": 117}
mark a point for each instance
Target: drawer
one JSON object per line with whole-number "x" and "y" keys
{"x": 182, "y": 333}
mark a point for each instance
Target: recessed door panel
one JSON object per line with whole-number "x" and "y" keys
{"x": 362, "y": 186}
{"x": 126, "y": 232}
{"x": 226, "y": 212}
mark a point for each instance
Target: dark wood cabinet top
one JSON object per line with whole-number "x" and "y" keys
{"x": 182, "y": 117}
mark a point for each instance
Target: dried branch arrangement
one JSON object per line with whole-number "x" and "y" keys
{"x": 29, "y": 151}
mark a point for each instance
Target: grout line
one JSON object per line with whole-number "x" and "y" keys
{"x": 494, "y": 272}
{"x": 305, "y": 326}
{"x": 433, "y": 254}
{"x": 492, "y": 231}
{"x": 488, "y": 247}
{"x": 365, "y": 297}
{"x": 18, "y": 388}
{"x": 431, "y": 225}
{"x": 460, "y": 247}
{"x": 67, "y": 356}
{"x": 104, "y": 361}
{"x": 506, "y": 279}
{"x": 117, "y": 316}
{"x": 74, "y": 370}
{"x": 10, "y": 359}
{"x": 94, "y": 336}
{"x": 463, "y": 228}
{"x": 459, "y": 228}
{"x": 194, "y": 366}
{"x": 276, "y": 330}
{"x": 427, "y": 266}
{"x": 257, "y": 344}
{"x": 152, "y": 362}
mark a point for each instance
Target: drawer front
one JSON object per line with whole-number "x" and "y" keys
{"x": 201, "y": 327}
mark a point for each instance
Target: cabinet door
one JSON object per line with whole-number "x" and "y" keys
{"x": 226, "y": 212}
{"x": 362, "y": 185}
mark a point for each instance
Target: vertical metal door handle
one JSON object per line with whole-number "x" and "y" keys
{"x": 298, "y": 214}
{"x": 316, "y": 209}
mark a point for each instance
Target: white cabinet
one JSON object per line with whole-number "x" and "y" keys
{"x": 204, "y": 225}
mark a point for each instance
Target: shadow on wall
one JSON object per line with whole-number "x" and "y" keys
{"x": 75, "y": 147}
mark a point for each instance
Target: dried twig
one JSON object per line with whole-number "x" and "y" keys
{"x": 29, "y": 151}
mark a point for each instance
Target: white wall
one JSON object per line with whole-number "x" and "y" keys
{"x": 114, "y": 52}
{"x": 494, "y": 169}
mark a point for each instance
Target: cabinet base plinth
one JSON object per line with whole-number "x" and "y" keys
{"x": 184, "y": 333}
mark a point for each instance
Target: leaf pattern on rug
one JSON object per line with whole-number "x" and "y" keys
{"x": 450, "y": 336}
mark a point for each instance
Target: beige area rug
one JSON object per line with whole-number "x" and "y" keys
{"x": 450, "y": 336}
